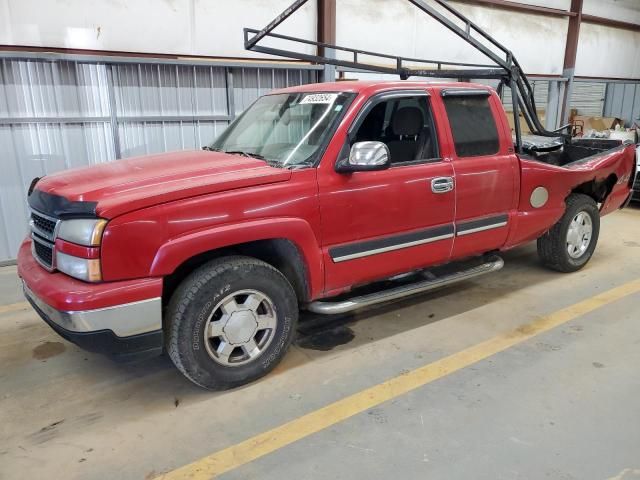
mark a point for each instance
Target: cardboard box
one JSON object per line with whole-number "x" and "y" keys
{"x": 523, "y": 123}
{"x": 599, "y": 124}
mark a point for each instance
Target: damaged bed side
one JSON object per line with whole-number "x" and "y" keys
{"x": 604, "y": 176}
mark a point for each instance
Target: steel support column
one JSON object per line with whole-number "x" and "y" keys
{"x": 570, "y": 54}
{"x": 326, "y": 33}
{"x": 552, "y": 120}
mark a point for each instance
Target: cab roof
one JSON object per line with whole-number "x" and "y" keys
{"x": 374, "y": 86}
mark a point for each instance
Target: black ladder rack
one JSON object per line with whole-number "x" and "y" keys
{"x": 504, "y": 68}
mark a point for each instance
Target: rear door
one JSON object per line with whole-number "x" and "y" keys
{"x": 486, "y": 170}
{"x": 380, "y": 223}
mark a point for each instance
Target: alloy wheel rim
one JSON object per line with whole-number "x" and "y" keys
{"x": 240, "y": 328}
{"x": 579, "y": 234}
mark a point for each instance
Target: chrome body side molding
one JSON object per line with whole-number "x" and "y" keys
{"x": 366, "y": 248}
{"x": 480, "y": 225}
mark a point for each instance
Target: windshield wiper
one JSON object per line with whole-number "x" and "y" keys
{"x": 271, "y": 163}
{"x": 246, "y": 154}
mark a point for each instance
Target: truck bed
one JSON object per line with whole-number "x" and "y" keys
{"x": 567, "y": 154}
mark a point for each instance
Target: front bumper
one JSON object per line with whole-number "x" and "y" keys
{"x": 105, "y": 341}
{"x": 123, "y": 326}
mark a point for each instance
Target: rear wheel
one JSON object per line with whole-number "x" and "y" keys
{"x": 570, "y": 243}
{"x": 231, "y": 322}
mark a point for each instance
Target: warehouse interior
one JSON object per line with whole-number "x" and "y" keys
{"x": 524, "y": 373}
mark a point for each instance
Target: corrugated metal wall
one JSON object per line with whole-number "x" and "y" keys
{"x": 56, "y": 115}
{"x": 540, "y": 94}
{"x": 623, "y": 101}
{"x": 588, "y": 98}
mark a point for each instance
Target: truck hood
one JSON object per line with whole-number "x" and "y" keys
{"x": 126, "y": 185}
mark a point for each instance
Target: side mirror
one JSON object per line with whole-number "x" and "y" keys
{"x": 365, "y": 156}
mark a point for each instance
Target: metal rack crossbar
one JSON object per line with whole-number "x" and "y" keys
{"x": 504, "y": 68}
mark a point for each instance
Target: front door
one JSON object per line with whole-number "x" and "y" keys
{"x": 381, "y": 223}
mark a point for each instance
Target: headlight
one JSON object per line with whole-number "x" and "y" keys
{"x": 87, "y": 232}
{"x": 87, "y": 269}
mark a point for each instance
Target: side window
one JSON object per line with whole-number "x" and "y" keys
{"x": 473, "y": 126}
{"x": 405, "y": 125}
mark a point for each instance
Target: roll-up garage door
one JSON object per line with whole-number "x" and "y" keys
{"x": 588, "y": 98}
{"x": 540, "y": 93}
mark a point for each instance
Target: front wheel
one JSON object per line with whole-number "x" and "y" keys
{"x": 231, "y": 322}
{"x": 570, "y": 243}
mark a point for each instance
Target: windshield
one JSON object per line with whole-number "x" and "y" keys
{"x": 285, "y": 129}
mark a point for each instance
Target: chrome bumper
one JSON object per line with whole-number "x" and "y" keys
{"x": 123, "y": 320}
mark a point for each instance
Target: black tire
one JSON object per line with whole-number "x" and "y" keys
{"x": 193, "y": 303}
{"x": 552, "y": 246}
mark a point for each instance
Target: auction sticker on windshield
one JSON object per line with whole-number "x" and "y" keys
{"x": 319, "y": 98}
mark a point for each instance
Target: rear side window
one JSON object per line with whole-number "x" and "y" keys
{"x": 473, "y": 126}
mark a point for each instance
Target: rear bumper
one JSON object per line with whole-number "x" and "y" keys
{"x": 635, "y": 189}
{"x": 123, "y": 326}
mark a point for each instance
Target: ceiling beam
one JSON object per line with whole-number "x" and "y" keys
{"x": 553, "y": 12}
{"x": 521, "y": 7}
{"x": 609, "y": 22}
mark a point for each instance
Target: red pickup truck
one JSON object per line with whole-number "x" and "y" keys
{"x": 324, "y": 197}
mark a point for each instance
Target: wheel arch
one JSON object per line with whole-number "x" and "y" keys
{"x": 290, "y": 246}
{"x": 552, "y": 246}
{"x": 599, "y": 190}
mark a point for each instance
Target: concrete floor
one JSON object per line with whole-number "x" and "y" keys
{"x": 562, "y": 405}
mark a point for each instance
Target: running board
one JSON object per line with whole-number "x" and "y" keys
{"x": 492, "y": 263}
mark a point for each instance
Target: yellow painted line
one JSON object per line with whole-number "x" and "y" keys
{"x": 14, "y": 307}
{"x": 288, "y": 433}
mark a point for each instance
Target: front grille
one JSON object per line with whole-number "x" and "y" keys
{"x": 43, "y": 252}
{"x": 42, "y": 225}
{"x": 43, "y": 233}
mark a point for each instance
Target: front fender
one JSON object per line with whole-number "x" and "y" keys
{"x": 177, "y": 250}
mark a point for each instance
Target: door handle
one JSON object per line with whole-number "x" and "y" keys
{"x": 442, "y": 184}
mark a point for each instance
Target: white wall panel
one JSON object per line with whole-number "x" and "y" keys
{"x": 5, "y": 23}
{"x": 396, "y": 27}
{"x": 121, "y": 25}
{"x": 559, "y": 4}
{"x": 180, "y": 27}
{"x": 218, "y": 25}
{"x": 608, "y": 52}
{"x": 623, "y": 10}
